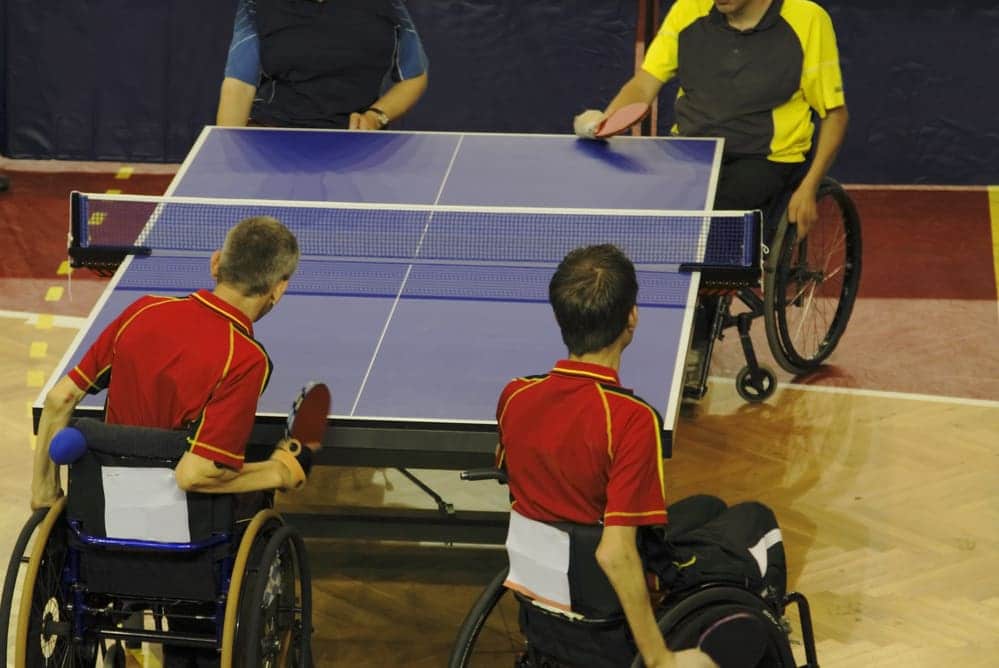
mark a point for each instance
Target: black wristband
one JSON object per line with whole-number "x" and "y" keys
{"x": 383, "y": 119}
{"x": 304, "y": 458}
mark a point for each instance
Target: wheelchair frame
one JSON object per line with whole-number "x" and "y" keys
{"x": 672, "y": 618}
{"x": 787, "y": 266}
{"x": 261, "y": 609}
{"x": 673, "y": 613}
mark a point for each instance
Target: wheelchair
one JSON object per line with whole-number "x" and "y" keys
{"x": 507, "y": 628}
{"x": 240, "y": 588}
{"x": 809, "y": 289}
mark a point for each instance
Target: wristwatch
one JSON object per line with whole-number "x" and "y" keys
{"x": 383, "y": 119}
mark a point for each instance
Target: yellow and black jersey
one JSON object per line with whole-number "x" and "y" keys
{"x": 756, "y": 88}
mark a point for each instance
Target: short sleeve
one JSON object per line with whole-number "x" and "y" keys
{"x": 661, "y": 58}
{"x": 223, "y": 429}
{"x": 93, "y": 373}
{"x": 822, "y": 80}
{"x": 410, "y": 59}
{"x": 636, "y": 493}
{"x": 243, "y": 62}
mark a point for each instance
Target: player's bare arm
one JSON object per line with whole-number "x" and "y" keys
{"x": 618, "y": 556}
{"x": 195, "y": 473}
{"x": 396, "y": 101}
{"x": 801, "y": 208}
{"x": 56, "y": 413}
{"x": 235, "y": 102}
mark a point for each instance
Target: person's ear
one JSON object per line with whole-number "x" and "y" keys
{"x": 633, "y": 318}
{"x": 278, "y": 291}
{"x": 214, "y": 263}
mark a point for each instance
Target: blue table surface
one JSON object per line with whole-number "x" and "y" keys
{"x": 455, "y": 334}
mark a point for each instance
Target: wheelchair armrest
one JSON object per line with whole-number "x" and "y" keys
{"x": 498, "y": 475}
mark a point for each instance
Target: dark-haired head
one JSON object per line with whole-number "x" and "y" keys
{"x": 593, "y": 293}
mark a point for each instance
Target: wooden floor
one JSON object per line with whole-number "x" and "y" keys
{"x": 889, "y": 507}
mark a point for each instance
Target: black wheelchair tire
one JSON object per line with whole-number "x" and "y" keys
{"x": 681, "y": 622}
{"x": 294, "y": 608}
{"x": 778, "y": 274}
{"x": 475, "y": 620}
{"x": 13, "y": 569}
{"x": 41, "y": 587}
{"x": 758, "y": 389}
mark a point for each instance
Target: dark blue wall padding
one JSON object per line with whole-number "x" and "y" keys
{"x": 515, "y": 66}
{"x": 136, "y": 79}
{"x": 112, "y": 79}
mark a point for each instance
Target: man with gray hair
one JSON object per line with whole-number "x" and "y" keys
{"x": 188, "y": 363}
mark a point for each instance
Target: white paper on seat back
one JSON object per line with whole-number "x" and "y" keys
{"x": 539, "y": 558}
{"x": 144, "y": 504}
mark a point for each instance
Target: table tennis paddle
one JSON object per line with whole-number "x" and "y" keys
{"x": 735, "y": 641}
{"x": 622, "y": 119}
{"x": 304, "y": 431}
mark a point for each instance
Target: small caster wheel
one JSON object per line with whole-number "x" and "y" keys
{"x": 755, "y": 387}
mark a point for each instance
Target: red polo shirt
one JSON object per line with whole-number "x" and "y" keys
{"x": 580, "y": 448}
{"x": 181, "y": 363}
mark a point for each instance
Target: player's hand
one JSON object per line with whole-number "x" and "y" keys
{"x": 586, "y": 123}
{"x": 365, "y": 121}
{"x": 294, "y": 463}
{"x": 802, "y": 209}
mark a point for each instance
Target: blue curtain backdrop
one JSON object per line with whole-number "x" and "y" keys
{"x": 137, "y": 79}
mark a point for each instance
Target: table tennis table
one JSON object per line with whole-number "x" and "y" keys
{"x": 416, "y": 352}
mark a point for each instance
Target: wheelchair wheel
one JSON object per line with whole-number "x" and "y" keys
{"x": 268, "y": 619}
{"x": 810, "y": 285}
{"x": 17, "y": 560}
{"x": 490, "y": 634}
{"x": 44, "y": 624}
{"x": 684, "y": 622}
{"x": 756, "y": 386}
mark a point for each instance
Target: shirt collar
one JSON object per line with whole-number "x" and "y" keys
{"x": 225, "y": 308}
{"x": 768, "y": 19}
{"x": 598, "y": 372}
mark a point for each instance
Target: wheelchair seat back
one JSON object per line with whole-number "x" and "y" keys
{"x": 137, "y": 533}
{"x": 569, "y": 611}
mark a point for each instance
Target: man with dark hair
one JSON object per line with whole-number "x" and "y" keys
{"x": 188, "y": 363}
{"x": 578, "y": 447}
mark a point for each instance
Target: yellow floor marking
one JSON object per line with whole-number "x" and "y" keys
{"x": 45, "y": 321}
{"x": 124, "y": 172}
{"x": 54, "y": 293}
{"x": 31, "y": 442}
{"x": 38, "y": 350}
{"x": 36, "y": 378}
{"x": 113, "y": 191}
{"x": 64, "y": 269}
{"x": 97, "y": 217}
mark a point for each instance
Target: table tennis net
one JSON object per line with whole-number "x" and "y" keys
{"x": 106, "y": 228}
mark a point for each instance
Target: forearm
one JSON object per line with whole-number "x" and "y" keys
{"x": 832, "y": 131}
{"x": 643, "y": 87}
{"x": 235, "y": 102}
{"x": 197, "y": 474}
{"x": 56, "y": 413}
{"x": 623, "y": 567}
{"x": 401, "y": 97}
